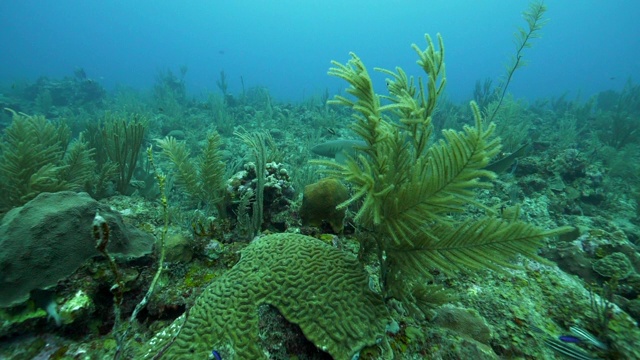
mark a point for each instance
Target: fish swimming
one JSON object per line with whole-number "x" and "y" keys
{"x": 569, "y": 339}
{"x": 338, "y": 149}
{"x": 215, "y": 355}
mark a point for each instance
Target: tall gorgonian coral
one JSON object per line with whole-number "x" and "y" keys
{"x": 37, "y": 155}
{"x": 202, "y": 178}
{"x": 409, "y": 189}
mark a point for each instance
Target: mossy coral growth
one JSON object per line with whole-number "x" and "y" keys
{"x": 312, "y": 284}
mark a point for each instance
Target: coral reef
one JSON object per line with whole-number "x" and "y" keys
{"x": 313, "y": 285}
{"x": 277, "y": 196}
{"x": 436, "y": 208}
{"x": 51, "y": 95}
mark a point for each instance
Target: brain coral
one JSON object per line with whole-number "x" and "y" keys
{"x": 312, "y": 284}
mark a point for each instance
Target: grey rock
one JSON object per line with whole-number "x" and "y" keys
{"x": 50, "y": 237}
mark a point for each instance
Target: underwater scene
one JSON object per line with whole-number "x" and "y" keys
{"x": 314, "y": 180}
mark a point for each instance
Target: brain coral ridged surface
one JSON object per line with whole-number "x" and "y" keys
{"x": 312, "y": 284}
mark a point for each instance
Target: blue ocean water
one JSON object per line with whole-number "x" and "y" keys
{"x": 569, "y": 163}
{"x": 588, "y": 46}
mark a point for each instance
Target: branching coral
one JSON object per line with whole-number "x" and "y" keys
{"x": 38, "y": 156}
{"x": 409, "y": 189}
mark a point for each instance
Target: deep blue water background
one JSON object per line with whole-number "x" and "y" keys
{"x": 286, "y": 45}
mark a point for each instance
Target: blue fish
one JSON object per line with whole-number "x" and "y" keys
{"x": 215, "y": 355}
{"x": 569, "y": 339}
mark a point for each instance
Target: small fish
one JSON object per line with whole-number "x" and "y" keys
{"x": 215, "y": 355}
{"x": 564, "y": 345}
{"x": 331, "y": 131}
{"x": 569, "y": 339}
{"x": 336, "y": 147}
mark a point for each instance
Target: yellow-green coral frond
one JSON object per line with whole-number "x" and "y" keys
{"x": 409, "y": 189}
{"x": 475, "y": 244}
{"x": 79, "y": 167}
{"x": 432, "y": 62}
{"x": 355, "y": 73}
{"x": 186, "y": 170}
{"x": 32, "y": 159}
{"x": 398, "y": 84}
{"x": 457, "y": 164}
{"x": 212, "y": 170}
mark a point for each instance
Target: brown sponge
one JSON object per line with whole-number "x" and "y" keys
{"x": 319, "y": 204}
